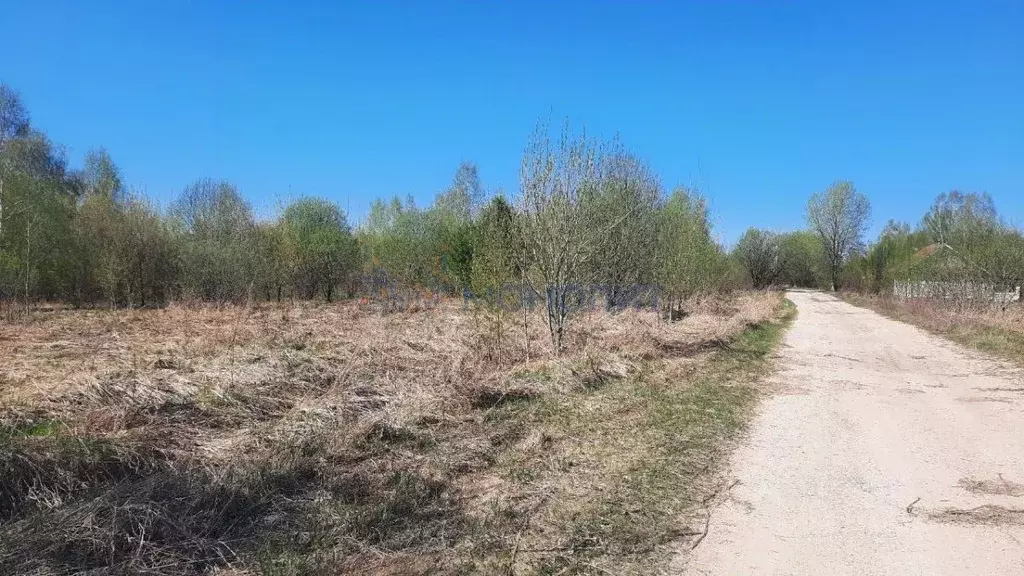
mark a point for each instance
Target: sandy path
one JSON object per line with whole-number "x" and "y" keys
{"x": 871, "y": 416}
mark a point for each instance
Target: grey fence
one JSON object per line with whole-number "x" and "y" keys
{"x": 975, "y": 292}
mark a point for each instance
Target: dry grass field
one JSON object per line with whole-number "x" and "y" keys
{"x": 300, "y": 439}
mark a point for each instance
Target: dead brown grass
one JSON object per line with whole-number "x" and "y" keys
{"x": 303, "y": 439}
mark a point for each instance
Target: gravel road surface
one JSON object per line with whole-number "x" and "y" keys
{"x": 883, "y": 450}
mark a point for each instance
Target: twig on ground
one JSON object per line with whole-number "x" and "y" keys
{"x": 519, "y": 535}
{"x": 707, "y": 519}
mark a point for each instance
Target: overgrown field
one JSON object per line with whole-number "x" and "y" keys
{"x": 335, "y": 439}
{"x": 997, "y": 329}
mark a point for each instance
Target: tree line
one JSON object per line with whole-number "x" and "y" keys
{"x": 588, "y": 211}
{"x": 961, "y": 238}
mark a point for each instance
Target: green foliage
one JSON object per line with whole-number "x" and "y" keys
{"x": 216, "y": 230}
{"x": 689, "y": 262}
{"x": 803, "y": 260}
{"x": 497, "y": 252}
{"x": 891, "y": 257}
{"x": 38, "y": 199}
{"x": 320, "y": 246}
{"x": 625, "y": 203}
{"x": 432, "y": 247}
{"x": 974, "y": 243}
{"x": 960, "y": 239}
{"x": 397, "y": 239}
{"x": 274, "y": 261}
{"x": 839, "y": 216}
{"x": 588, "y": 213}
{"x": 760, "y": 252}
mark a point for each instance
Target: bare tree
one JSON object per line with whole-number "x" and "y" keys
{"x": 839, "y": 216}
{"x": 556, "y": 238}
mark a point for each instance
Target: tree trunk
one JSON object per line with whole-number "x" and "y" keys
{"x": 28, "y": 259}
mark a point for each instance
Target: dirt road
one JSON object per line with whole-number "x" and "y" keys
{"x": 885, "y": 450}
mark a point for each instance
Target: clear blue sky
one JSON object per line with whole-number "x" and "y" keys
{"x": 762, "y": 103}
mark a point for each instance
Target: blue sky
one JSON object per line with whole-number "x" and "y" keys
{"x": 761, "y": 103}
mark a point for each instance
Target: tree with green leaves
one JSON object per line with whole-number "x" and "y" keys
{"x": 556, "y": 180}
{"x": 803, "y": 259}
{"x": 451, "y": 223}
{"x": 891, "y": 257}
{"x": 690, "y": 263}
{"x": 14, "y": 123}
{"x": 840, "y": 217}
{"x": 625, "y": 203}
{"x": 40, "y": 196}
{"x": 975, "y": 244}
{"x": 319, "y": 241}
{"x": 399, "y": 241}
{"x": 216, "y": 229}
{"x": 761, "y": 254}
{"x": 497, "y": 254}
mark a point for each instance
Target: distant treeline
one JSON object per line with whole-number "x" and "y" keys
{"x": 588, "y": 212}
{"x": 961, "y": 238}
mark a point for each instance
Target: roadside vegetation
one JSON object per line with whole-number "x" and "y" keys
{"x": 328, "y": 438}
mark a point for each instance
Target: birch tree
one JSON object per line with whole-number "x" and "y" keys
{"x": 555, "y": 178}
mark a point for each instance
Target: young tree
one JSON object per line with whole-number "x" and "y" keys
{"x": 839, "y": 216}
{"x": 148, "y": 254}
{"x": 891, "y": 257}
{"x": 626, "y": 203}
{"x": 216, "y": 230}
{"x": 39, "y": 202}
{"x": 968, "y": 228}
{"x": 802, "y": 259}
{"x": 689, "y": 261}
{"x": 319, "y": 241}
{"x": 497, "y": 254}
{"x": 400, "y": 241}
{"x": 558, "y": 241}
{"x": 451, "y": 225}
{"x": 761, "y": 254}
{"x": 274, "y": 263}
